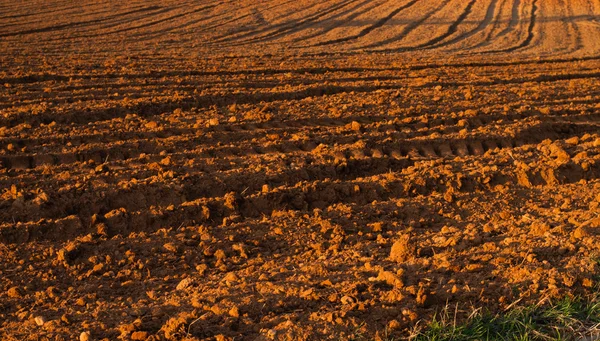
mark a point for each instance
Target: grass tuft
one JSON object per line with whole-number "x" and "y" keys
{"x": 567, "y": 319}
{"x": 571, "y": 318}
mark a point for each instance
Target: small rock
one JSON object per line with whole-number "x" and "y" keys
{"x": 347, "y": 300}
{"x": 98, "y": 268}
{"x": 539, "y": 229}
{"x": 22, "y": 315}
{"x": 151, "y": 294}
{"x": 216, "y": 310}
{"x": 170, "y": 247}
{"x": 103, "y": 168}
{"x": 411, "y": 315}
{"x": 69, "y": 252}
{"x": 166, "y": 161}
{"x": 126, "y": 329}
{"x": 234, "y": 312}
{"x": 378, "y": 227}
{"x": 137, "y": 312}
{"x": 231, "y": 277}
{"x": 220, "y": 255}
{"x": 41, "y": 199}
{"x": 14, "y": 292}
{"x": 151, "y": 125}
{"x": 424, "y": 297}
{"x": 581, "y": 232}
{"x": 232, "y": 200}
{"x": 394, "y": 324}
{"x": 403, "y": 249}
{"x": 185, "y": 283}
{"x": 573, "y": 141}
{"x": 449, "y": 195}
{"x": 102, "y": 229}
{"x": 545, "y": 111}
{"x": 39, "y": 320}
{"x": 84, "y": 336}
{"x": 201, "y": 268}
{"x": 390, "y": 278}
{"x": 139, "y": 336}
{"x": 355, "y": 126}
{"x": 559, "y": 153}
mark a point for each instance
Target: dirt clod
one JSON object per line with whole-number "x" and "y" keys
{"x": 403, "y": 249}
{"x": 139, "y": 336}
{"x": 40, "y": 320}
{"x": 14, "y": 292}
{"x": 185, "y": 284}
{"x": 85, "y": 336}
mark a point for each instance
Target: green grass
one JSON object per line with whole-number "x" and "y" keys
{"x": 567, "y": 319}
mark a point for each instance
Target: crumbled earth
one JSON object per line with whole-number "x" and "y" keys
{"x": 162, "y": 187}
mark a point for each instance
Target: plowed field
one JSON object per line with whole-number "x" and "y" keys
{"x": 289, "y": 170}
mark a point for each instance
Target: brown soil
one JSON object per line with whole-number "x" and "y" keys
{"x": 221, "y": 170}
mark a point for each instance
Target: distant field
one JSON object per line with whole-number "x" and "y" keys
{"x": 497, "y": 27}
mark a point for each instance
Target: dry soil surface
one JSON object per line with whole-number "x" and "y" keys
{"x": 292, "y": 170}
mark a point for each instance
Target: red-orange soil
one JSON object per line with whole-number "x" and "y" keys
{"x": 289, "y": 170}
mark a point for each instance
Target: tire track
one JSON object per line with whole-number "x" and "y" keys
{"x": 483, "y": 25}
{"x": 574, "y": 27}
{"x": 512, "y": 24}
{"x": 237, "y": 18}
{"x": 155, "y": 107}
{"x": 530, "y": 30}
{"x": 293, "y": 184}
{"x": 156, "y": 22}
{"x": 354, "y": 13}
{"x": 136, "y": 143}
{"x": 371, "y": 28}
{"x": 106, "y": 27}
{"x": 213, "y": 17}
{"x": 151, "y": 23}
{"x": 191, "y": 21}
{"x": 287, "y": 29}
{"x": 361, "y": 162}
{"x": 408, "y": 28}
{"x": 27, "y": 14}
{"x": 75, "y": 14}
{"x": 111, "y": 25}
{"x": 240, "y": 35}
{"x": 452, "y": 29}
{"x": 154, "y": 9}
{"x": 495, "y": 25}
